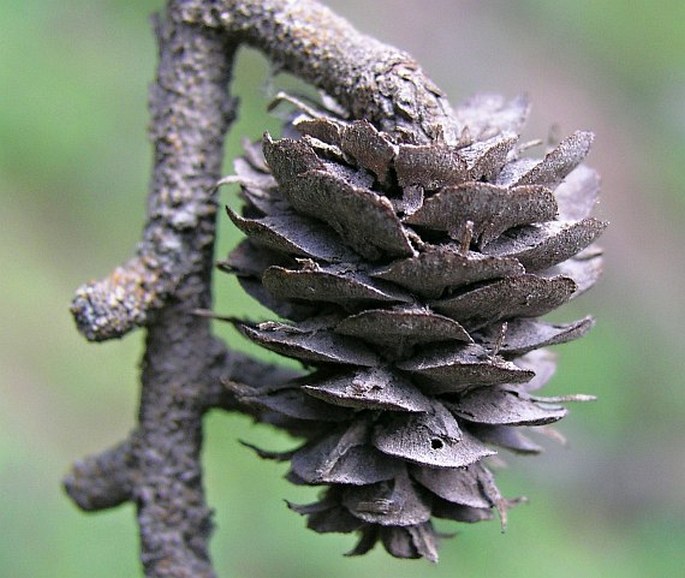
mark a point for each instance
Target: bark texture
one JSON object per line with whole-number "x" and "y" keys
{"x": 169, "y": 279}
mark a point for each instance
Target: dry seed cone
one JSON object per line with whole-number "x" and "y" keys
{"x": 412, "y": 278}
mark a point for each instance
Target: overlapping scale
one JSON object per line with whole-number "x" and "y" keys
{"x": 559, "y": 162}
{"x": 377, "y": 388}
{"x": 389, "y": 503}
{"x": 295, "y": 235}
{"x": 331, "y": 285}
{"x": 526, "y": 295}
{"x": 524, "y": 335}
{"x": 505, "y": 406}
{"x": 406, "y": 326}
{"x": 414, "y": 276}
{"x": 430, "y": 439}
{"x": 491, "y": 209}
{"x": 429, "y": 166}
{"x": 345, "y": 458}
{"x": 540, "y": 246}
{"x": 438, "y": 268}
{"x": 310, "y": 345}
{"x": 450, "y": 369}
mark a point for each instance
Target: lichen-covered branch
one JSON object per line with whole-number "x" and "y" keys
{"x": 162, "y": 287}
{"x": 367, "y": 77}
{"x": 190, "y": 113}
{"x": 107, "y": 479}
{"x": 370, "y": 79}
{"x": 102, "y": 481}
{"x": 191, "y": 110}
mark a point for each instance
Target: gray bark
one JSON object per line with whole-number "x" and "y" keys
{"x": 169, "y": 279}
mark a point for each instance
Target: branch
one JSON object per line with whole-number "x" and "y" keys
{"x": 370, "y": 79}
{"x": 103, "y": 481}
{"x": 107, "y": 480}
{"x": 367, "y": 77}
{"x": 158, "y": 466}
{"x": 191, "y": 111}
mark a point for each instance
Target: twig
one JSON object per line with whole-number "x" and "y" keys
{"x": 367, "y": 77}
{"x": 161, "y": 288}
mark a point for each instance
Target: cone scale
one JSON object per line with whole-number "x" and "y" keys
{"x": 409, "y": 279}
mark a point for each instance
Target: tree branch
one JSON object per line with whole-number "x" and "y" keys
{"x": 107, "y": 479}
{"x": 370, "y": 79}
{"x": 191, "y": 110}
{"x": 367, "y": 77}
{"x": 103, "y": 481}
{"x": 158, "y": 466}
{"x": 160, "y": 463}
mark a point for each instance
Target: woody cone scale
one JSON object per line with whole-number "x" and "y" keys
{"x": 411, "y": 281}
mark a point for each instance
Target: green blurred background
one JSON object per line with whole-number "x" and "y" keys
{"x": 74, "y": 164}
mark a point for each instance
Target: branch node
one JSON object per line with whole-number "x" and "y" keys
{"x": 103, "y": 481}
{"x": 111, "y": 307}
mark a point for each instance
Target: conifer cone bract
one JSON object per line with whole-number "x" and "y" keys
{"x": 410, "y": 279}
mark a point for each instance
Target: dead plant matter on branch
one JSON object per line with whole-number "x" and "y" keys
{"x": 412, "y": 249}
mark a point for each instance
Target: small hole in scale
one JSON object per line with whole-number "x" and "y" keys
{"x": 436, "y": 444}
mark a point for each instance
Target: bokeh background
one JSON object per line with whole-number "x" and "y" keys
{"x": 74, "y": 164}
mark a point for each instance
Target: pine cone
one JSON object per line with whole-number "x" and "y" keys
{"x": 413, "y": 277}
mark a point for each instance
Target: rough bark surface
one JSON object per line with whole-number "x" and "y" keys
{"x": 169, "y": 279}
